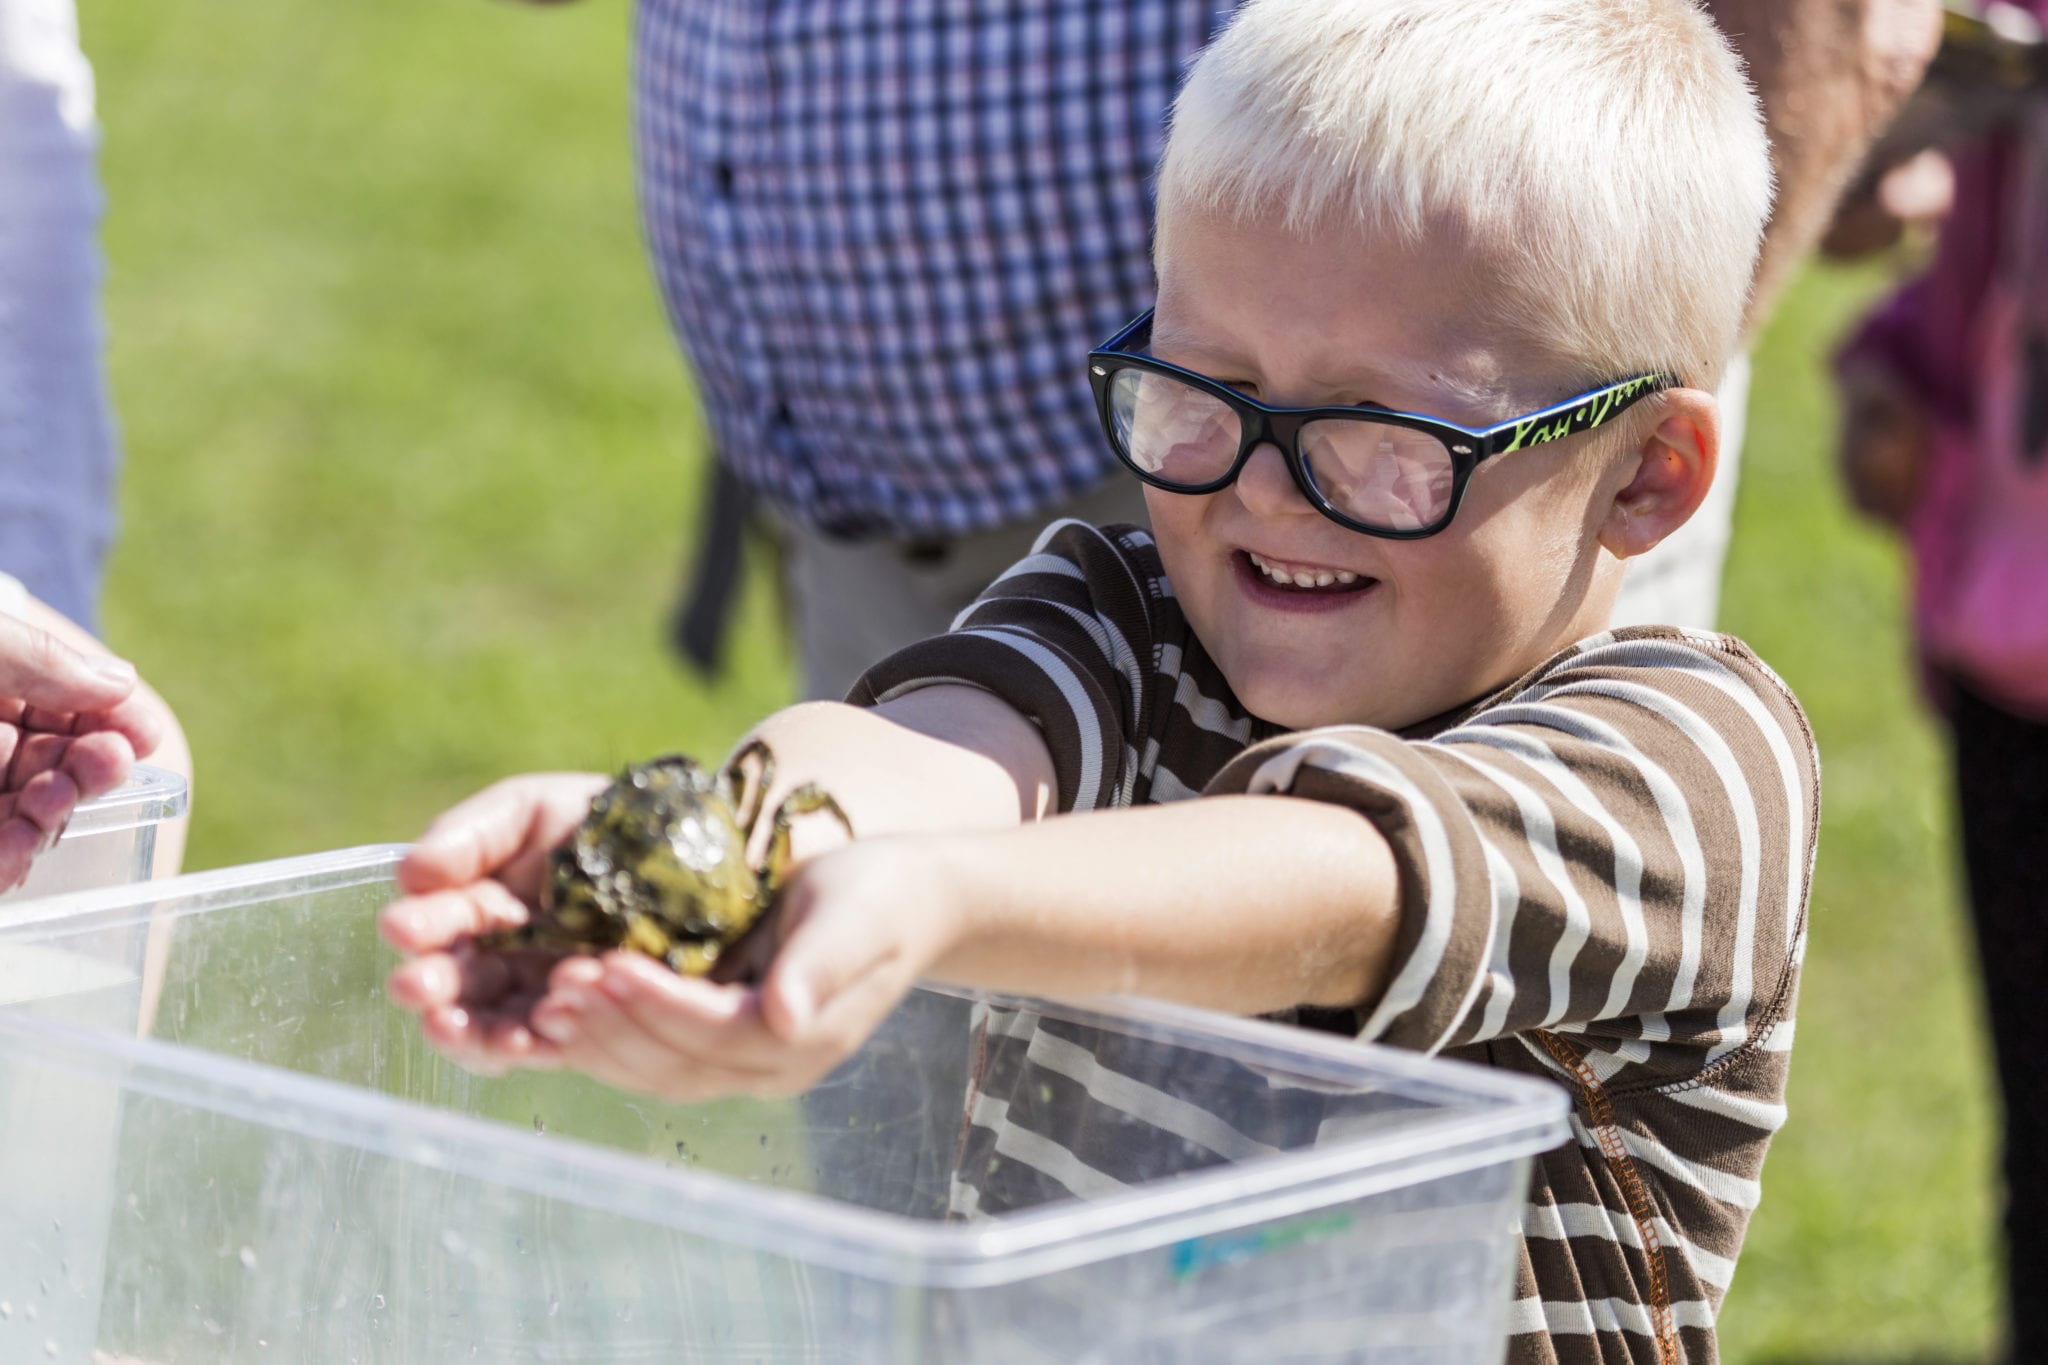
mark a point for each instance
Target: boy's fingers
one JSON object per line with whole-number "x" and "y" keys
{"x": 579, "y": 970}
{"x": 715, "y": 1027}
{"x": 423, "y": 923}
{"x": 425, "y": 983}
{"x": 453, "y": 1031}
{"x": 469, "y": 841}
{"x": 40, "y": 669}
{"x": 505, "y": 829}
{"x": 486, "y": 1042}
{"x": 664, "y": 1056}
{"x": 508, "y": 1037}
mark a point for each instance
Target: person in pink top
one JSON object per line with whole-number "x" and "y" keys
{"x": 1946, "y": 438}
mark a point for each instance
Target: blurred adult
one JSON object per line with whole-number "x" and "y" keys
{"x": 57, "y": 453}
{"x": 1945, "y": 438}
{"x": 64, "y": 735}
{"x": 887, "y": 233}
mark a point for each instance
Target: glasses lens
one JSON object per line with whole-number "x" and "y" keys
{"x": 1171, "y": 430}
{"x": 1384, "y": 476}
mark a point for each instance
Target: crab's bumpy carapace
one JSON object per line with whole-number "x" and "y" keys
{"x": 660, "y": 863}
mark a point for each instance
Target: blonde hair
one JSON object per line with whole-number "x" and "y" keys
{"x": 1607, "y": 156}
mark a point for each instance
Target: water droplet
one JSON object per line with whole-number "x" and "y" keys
{"x": 679, "y": 1150}
{"x": 554, "y": 1306}
{"x": 28, "y": 1310}
{"x": 50, "y": 1348}
{"x": 764, "y": 1139}
{"x": 377, "y": 1301}
{"x": 6, "y": 1310}
{"x": 44, "y": 1285}
{"x": 538, "y": 1126}
{"x": 247, "y": 1256}
{"x": 56, "y": 1225}
{"x": 451, "y": 1241}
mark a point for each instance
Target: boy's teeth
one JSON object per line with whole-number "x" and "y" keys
{"x": 1303, "y": 578}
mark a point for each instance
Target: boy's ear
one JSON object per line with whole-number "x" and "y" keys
{"x": 1668, "y": 476}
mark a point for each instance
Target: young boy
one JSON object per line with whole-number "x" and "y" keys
{"x": 1440, "y": 804}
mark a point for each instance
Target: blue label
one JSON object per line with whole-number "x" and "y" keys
{"x": 1199, "y": 1253}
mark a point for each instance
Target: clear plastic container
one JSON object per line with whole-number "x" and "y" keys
{"x": 111, "y": 841}
{"x": 275, "y": 1168}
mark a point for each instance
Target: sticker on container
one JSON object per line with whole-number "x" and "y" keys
{"x": 1200, "y": 1253}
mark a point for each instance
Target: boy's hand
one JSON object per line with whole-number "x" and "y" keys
{"x": 478, "y": 869}
{"x": 623, "y": 1018}
{"x": 72, "y": 724}
{"x": 853, "y": 932}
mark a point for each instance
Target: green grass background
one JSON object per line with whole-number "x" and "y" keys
{"x": 410, "y": 456}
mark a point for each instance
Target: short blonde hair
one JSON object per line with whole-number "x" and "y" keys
{"x": 1608, "y": 156}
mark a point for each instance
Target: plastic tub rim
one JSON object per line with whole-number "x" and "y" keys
{"x": 150, "y": 796}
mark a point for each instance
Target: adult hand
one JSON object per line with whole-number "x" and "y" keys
{"x": 72, "y": 724}
{"x": 852, "y": 933}
{"x": 1915, "y": 194}
{"x": 478, "y": 869}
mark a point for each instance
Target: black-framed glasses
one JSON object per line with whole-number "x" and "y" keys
{"x": 1386, "y": 473}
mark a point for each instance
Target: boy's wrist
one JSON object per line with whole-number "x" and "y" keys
{"x": 965, "y": 888}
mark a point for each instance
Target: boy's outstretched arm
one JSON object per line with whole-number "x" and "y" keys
{"x": 1242, "y": 903}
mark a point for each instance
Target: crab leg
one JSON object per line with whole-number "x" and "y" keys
{"x": 805, "y": 799}
{"x": 755, "y": 794}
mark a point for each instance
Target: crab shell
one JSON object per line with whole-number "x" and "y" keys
{"x": 659, "y": 866}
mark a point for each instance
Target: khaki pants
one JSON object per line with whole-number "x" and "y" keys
{"x": 854, "y": 603}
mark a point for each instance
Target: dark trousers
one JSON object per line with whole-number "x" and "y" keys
{"x": 2002, "y": 799}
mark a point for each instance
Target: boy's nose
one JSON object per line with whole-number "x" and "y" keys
{"x": 1266, "y": 488}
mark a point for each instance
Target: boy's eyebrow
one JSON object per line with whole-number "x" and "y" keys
{"x": 1465, "y": 395}
{"x": 1468, "y": 396}
{"x": 1182, "y": 340}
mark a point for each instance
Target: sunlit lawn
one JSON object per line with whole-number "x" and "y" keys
{"x": 411, "y": 455}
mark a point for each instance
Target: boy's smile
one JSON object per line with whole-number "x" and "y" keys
{"x": 1316, "y": 624}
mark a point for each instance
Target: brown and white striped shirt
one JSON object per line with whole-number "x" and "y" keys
{"x": 1604, "y": 871}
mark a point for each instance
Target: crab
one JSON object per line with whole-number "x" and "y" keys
{"x": 659, "y": 865}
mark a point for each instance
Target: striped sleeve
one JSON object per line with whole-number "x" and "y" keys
{"x": 1064, "y": 636}
{"x": 1619, "y": 849}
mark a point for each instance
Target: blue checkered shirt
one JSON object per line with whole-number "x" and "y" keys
{"x": 889, "y": 231}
